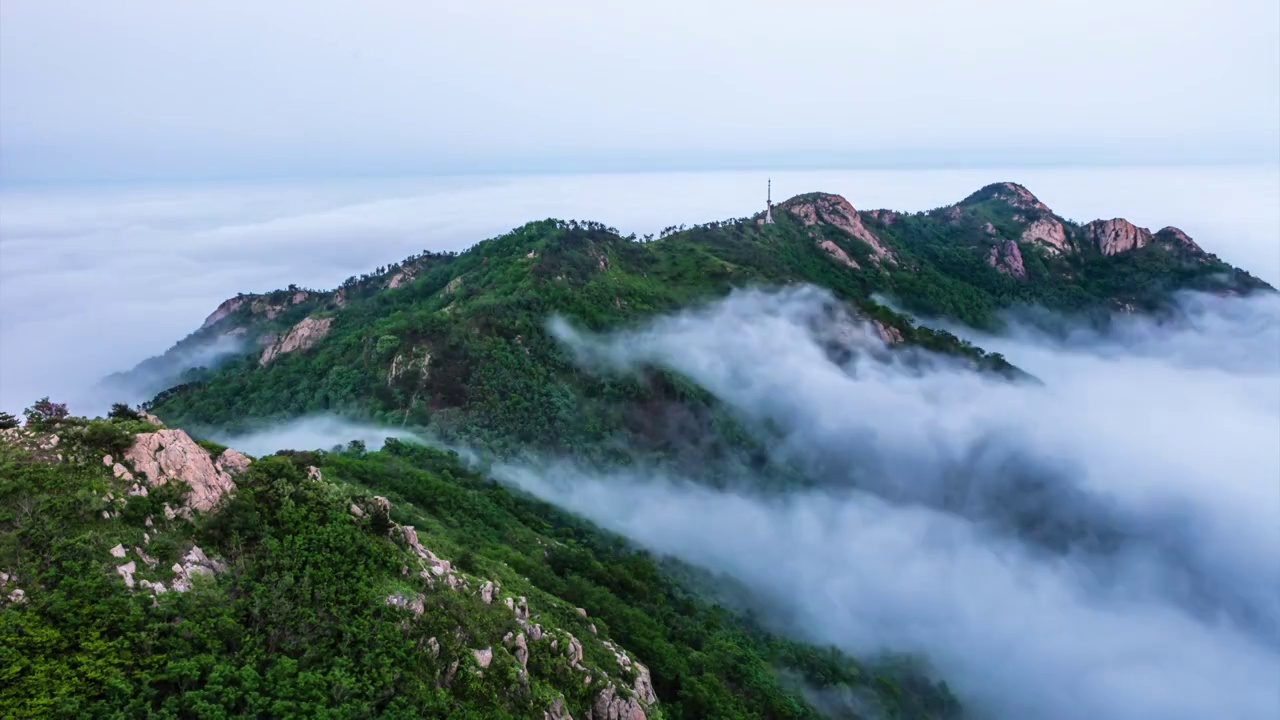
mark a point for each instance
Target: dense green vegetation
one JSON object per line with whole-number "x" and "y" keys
{"x": 458, "y": 342}
{"x": 297, "y": 624}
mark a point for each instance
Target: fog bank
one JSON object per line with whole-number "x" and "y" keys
{"x": 317, "y": 432}
{"x": 1105, "y": 545}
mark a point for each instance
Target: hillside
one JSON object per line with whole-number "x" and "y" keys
{"x": 458, "y": 342}
{"x": 145, "y": 575}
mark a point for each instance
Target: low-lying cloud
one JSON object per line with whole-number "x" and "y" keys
{"x": 317, "y": 432}
{"x": 1104, "y": 545}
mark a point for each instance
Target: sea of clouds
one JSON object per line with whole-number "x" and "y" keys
{"x": 1104, "y": 543}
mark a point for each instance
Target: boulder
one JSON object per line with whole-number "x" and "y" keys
{"x": 172, "y": 454}
{"x": 233, "y": 461}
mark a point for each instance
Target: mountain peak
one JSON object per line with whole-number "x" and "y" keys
{"x": 819, "y": 208}
{"x": 1012, "y": 193}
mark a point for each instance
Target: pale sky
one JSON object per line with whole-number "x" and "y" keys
{"x": 150, "y": 90}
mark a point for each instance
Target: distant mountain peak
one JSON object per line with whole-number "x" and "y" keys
{"x": 1015, "y": 195}
{"x": 821, "y": 208}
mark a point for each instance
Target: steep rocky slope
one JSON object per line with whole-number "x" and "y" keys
{"x": 143, "y": 573}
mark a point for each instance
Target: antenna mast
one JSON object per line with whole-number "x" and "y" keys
{"x": 768, "y": 203}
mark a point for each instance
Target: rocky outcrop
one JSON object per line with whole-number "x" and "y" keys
{"x": 37, "y": 445}
{"x": 557, "y": 711}
{"x": 194, "y": 563}
{"x": 1006, "y": 258}
{"x": 1116, "y": 236}
{"x": 9, "y": 588}
{"x": 1174, "y": 237}
{"x": 1048, "y": 233}
{"x": 258, "y": 305}
{"x": 226, "y": 308}
{"x": 416, "y": 362}
{"x": 414, "y": 603}
{"x": 302, "y": 336}
{"x": 835, "y": 210}
{"x": 233, "y": 461}
{"x": 839, "y": 254}
{"x": 400, "y": 277}
{"x": 1018, "y": 196}
{"x": 888, "y": 334}
{"x": 171, "y": 454}
{"x": 610, "y": 705}
{"x": 888, "y": 217}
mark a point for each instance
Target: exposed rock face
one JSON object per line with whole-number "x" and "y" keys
{"x": 1116, "y": 235}
{"x": 1048, "y": 232}
{"x": 1019, "y": 197}
{"x": 233, "y": 461}
{"x": 1007, "y": 258}
{"x": 835, "y": 210}
{"x": 888, "y": 217}
{"x": 166, "y": 454}
{"x": 415, "y": 603}
{"x": 519, "y": 648}
{"x": 400, "y": 277}
{"x": 227, "y": 307}
{"x": 302, "y": 336}
{"x": 126, "y": 571}
{"x": 1175, "y": 237}
{"x": 839, "y": 254}
{"x": 483, "y": 657}
{"x": 418, "y": 360}
{"x": 194, "y": 563}
{"x": 644, "y": 685}
{"x": 557, "y": 711}
{"x": 609, "y": 705}
{"x": 888, "y": 334}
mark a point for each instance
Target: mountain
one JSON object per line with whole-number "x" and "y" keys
{"x": 458, "y": 342}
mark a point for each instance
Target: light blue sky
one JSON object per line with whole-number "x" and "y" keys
{"x": 133, "y": 90}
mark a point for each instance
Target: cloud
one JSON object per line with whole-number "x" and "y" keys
{"x": 1104, "y": 545}
{"x": 317, "y": 432}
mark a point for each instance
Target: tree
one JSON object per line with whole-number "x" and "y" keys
{"x": 45, "y": 414}
{"x": 7, "y": 420}
{"x": 122, "y": 411}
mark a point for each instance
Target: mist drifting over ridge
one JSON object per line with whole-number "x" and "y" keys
{"x": 1106, "y": 544}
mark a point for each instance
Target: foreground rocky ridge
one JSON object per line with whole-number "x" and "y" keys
{"x": 203, "y": 482}
{"x": 143, "y": 571}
